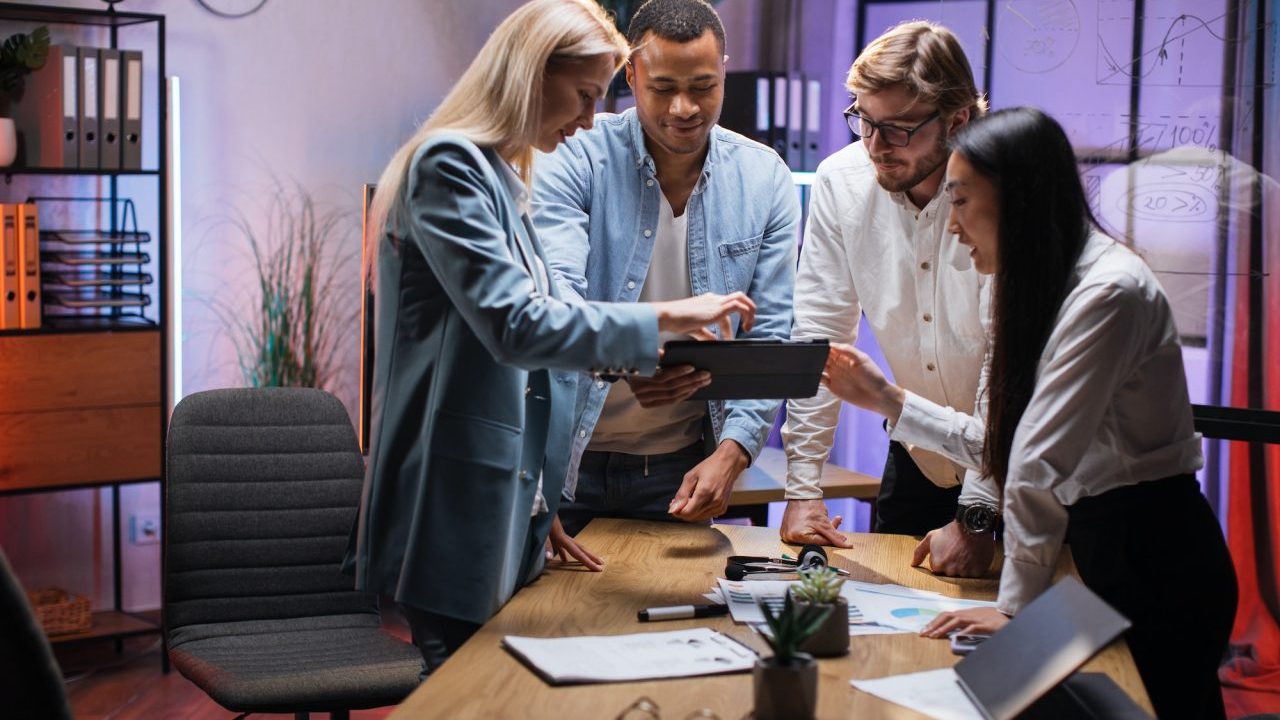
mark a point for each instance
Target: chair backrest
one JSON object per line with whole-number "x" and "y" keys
{"x": 30, "y": 681}
{"x": 261, "y": 495}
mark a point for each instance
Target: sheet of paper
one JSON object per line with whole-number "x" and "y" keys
{"x": 906, "y": 608}
{"x": 744, "y": 598}
{"x": 935, "y": 693}
{"x": 639, "y": 656}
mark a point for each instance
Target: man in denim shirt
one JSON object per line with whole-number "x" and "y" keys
{"x": 653, "y": 204}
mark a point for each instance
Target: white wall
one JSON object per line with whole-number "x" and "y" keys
{"x": 319, "y": 91}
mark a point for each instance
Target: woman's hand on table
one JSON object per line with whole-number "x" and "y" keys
{"x": 974, "y": 621}
{"x": 560, "y": 543}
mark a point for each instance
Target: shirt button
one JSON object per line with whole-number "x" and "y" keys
{"x": 648, "y": 183}
{"x": 930, "y": 367}
{"x": 648, "y": 233}
{"x": 631, "y": 284}
{"x": 582, "y": 433}
{"x": 924, "y": 265}
{"x": 928, "y": 317}
{"x": 599, "y": 383}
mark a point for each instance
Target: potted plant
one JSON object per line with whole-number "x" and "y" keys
{"x": 786, "y": 685}
{"x": 20, "y": 55}
{"x": 291, "y": 330}
{"x": 820, "y": 587}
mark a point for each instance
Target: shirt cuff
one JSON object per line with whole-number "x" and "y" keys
{"x": 744, "y": 436}
{"x": 979, "y": 488}
{"x": 1020, "y": 583}
{"x": 920, "y": 423}
{"x": 803, "y": 480}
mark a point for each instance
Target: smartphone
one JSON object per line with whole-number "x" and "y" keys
{"x": 965, "y": 644}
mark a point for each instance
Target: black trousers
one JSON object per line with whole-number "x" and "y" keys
{"x": 436, "y": 636}
{"x": 909, "y": 503}
{"x": 1154, "y": 551}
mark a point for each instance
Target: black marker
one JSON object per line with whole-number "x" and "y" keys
{"x": 681, "y": 612}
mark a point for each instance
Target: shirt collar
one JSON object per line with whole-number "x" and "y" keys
{"x": 936, "y": 205}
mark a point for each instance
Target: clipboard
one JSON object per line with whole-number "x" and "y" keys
{"x": 752, "y": 369}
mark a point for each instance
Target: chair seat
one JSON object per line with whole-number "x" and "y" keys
{"x": 301, "y": 670}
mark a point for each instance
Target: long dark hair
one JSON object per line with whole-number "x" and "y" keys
{"x": 1044, "y": 222}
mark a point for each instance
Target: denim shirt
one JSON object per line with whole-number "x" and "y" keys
{"x": 595, "y": 207}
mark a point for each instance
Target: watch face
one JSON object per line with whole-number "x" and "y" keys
{"x": 979, "y": 519}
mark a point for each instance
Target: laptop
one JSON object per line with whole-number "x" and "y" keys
{"x": 1028, "y": 668}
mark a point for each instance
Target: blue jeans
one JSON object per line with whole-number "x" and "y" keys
{"x": 612, "y": 484}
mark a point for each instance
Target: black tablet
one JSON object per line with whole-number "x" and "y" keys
{"x": 752, "y": 369}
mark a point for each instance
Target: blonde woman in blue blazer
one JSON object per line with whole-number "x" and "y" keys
{"x": 471, "y": 421}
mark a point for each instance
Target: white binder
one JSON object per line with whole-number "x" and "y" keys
{"x": 109, "y": 123}
{"x": 89, "y": 99}
{"x": 131, "y": 109}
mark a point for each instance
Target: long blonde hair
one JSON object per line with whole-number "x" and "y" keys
{"x": 498, "y": 100}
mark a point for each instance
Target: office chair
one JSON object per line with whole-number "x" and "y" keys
{"x": 262, "y": 490}
{"x": 30, "y": 681}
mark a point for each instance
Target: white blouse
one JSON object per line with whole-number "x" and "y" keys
{"x": 1110, "y": 408}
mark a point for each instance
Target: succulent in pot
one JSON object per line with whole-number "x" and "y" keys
{"x": 821, "y": 587}
{"x": 786, "y": 684}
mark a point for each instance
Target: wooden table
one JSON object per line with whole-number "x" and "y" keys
{"x": 652, "y": 564}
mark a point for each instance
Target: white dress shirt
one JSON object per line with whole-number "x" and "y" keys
{"x": 867, "y": 250}
{"x": 1110, "y": 408}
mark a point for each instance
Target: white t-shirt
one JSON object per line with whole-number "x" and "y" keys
{"x": 624, "y": 426}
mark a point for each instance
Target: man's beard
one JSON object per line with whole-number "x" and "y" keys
{"x": 924, "y": 168}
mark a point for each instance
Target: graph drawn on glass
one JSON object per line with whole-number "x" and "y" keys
{"x": 1174, "y": 45}
{"x": 1038, "y": 35}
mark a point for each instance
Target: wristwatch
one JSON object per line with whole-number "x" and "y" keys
{"x": 977, "y": 518}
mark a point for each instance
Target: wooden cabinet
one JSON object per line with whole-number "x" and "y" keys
{"x": 79, "y": 409}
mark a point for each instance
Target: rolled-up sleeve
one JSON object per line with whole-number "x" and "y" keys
{"x": 826, "y": 307}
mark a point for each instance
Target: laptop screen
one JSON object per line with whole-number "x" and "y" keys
{"x": 1044, "y": 643}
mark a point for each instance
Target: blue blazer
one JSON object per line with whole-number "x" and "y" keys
{"x": 467, "y": 409}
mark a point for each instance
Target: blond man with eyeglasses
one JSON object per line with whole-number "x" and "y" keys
{"x": 877, "y": 243}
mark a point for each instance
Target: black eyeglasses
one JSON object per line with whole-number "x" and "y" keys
{"x": 890, "y": 134}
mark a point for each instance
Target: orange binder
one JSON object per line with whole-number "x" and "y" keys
{"x": 29, "y": 269}
{"x": 11, "y": 317}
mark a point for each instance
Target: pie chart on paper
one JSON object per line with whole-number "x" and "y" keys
{"x": 914, "y": 613}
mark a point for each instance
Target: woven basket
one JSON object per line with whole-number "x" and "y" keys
{"x": 60, "y": 612}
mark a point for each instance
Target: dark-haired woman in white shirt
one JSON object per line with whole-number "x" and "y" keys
{"x": 1084, "y": 431}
